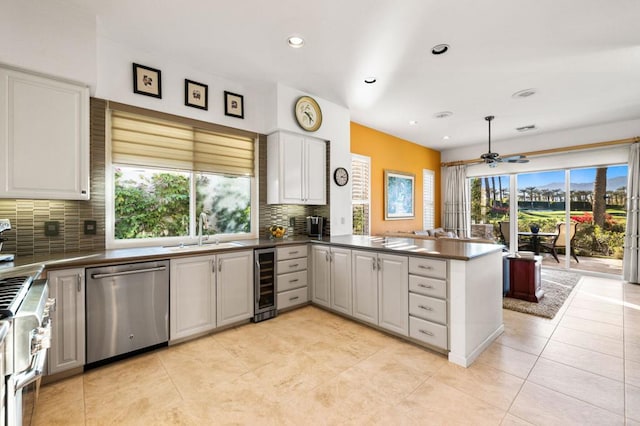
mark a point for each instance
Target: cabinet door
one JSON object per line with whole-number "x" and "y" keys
{"x": 321, "y": 275}
{"x": 365, "y": 286}
{"x": 193, "y": 296}
{"x": 315, "y": 172}
{"x": 234, "y": 287}
{"x": 340, "y": 260}
{"x": 291, "y": 168}
{"x": 68, "y": 320}
{"x": 44, "y": 142}
{"x": 393, "y": 290}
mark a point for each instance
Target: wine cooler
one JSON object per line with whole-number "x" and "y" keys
{"x": 265, "y": 284}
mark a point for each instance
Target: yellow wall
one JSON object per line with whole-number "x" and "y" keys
{"x": 390, "y": 153}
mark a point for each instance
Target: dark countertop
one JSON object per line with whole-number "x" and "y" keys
{"x": 444, "y": 249}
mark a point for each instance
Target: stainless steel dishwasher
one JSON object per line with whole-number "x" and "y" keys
{"x": 127, "y": 309}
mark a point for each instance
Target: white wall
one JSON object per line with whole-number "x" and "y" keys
{"x": 540, "y": 141}
{"x": 336, "y": 129}
{"x": 115, "y": 82}
{"x": 49, "y": 37}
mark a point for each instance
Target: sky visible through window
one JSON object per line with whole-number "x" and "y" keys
{"x": 542, "y": 179}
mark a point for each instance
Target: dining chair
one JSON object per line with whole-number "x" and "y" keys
{"x": 505, "y": 236}
{"x": 559, "y": 241}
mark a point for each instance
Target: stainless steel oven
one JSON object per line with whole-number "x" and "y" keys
{"x": 25, "y": 306}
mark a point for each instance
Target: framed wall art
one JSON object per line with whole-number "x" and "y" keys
{"x": 196, "y": 94}
{"x": 147, "y": 81}
{"x": 233, "y": 105}
{"x": 399, "y": 195}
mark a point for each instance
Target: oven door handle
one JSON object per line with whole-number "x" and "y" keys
{"x": 33, "y": 373}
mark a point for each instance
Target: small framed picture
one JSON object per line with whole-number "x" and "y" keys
{"x": 233, "y": 105}
{"x": 196, "y": 94}
{"x": 398, "y": 195}
{"x": 147, "y": 81}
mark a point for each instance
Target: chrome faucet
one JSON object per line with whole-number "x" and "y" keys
{"x": 203, "y": 219}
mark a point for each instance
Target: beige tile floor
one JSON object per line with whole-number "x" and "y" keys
{"x": 312, "y": 367}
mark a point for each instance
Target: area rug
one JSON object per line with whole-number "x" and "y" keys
{"x": 557, "y": 285}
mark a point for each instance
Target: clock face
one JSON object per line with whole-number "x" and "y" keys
{"x": 308, "y": 114}
{"x": 341, "y": 176}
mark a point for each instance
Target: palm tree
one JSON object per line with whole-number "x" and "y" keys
{"x": 599, "y": 196}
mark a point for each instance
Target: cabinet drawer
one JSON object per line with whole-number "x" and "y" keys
{"x": 292, "y": 280}
{"x": 428, "y": 332}
{"x": 428, "y": 308}
{"x": 428, "y": 286}
{"x": 290, "y": 298}
{"x": 291, "y": 252}
{"x": 428, "y": 267}
{"x": 292, "y": 265}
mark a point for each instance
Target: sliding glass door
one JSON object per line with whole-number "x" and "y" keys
{"x": 574, "y": 218}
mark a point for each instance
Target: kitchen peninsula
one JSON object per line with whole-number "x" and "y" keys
{"x": 443, "y": 294}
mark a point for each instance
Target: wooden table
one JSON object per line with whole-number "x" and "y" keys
{"x": 535, "y": 238}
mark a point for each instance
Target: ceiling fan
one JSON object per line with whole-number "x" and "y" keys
{"x": 493, "y": 158}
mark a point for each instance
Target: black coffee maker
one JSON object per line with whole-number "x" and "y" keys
{"x": 315, "y": 226}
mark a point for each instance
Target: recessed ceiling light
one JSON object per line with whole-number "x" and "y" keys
{"x": 442, "y": 114}
{"x": 413, "y": 122}
{"x": 526, "y": 128}
{"x": 439, "y": 49}
{"x": 370, "y": 80}
{"x": 295, "y": 41}
{"x": 445, "y": 138}
{"x": 524, "y": 93}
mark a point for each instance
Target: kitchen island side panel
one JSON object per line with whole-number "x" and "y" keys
{"x": 475, "y": 306}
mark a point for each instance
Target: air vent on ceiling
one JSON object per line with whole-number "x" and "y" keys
{"x": 442, "y": 114}
{"x": 526, "y": 128}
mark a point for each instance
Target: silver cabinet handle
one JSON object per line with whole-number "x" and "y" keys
{"x": 428, "y": 333}
{"x": 425, "y": 286}
{"x": 135, "y": 271}
{"x": 79, "y": 281}
{"x": 291, "y": 299}
{"x": 379, "y": 265}
{"x": 294, "y": 265}
{"x": 326, "y": 256}
{"x": 294, "y": 281}
{"x": 219, "y": 265}
{"x": 293, "y": 252}
{"x": 425, "y": 267}
{"x": 373, "y": 264}
{"x": 213, "y": 266}
{"x": 426, "y": 308}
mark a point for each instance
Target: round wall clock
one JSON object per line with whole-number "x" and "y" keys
{"x": 341, "y": 176}
{"x": 308, "y": 114}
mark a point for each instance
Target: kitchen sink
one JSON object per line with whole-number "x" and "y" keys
{"x": 204, "y": 246}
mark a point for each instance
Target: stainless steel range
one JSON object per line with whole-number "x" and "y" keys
{"x": 24, "y": 307}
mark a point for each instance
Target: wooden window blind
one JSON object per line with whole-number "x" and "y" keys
{"x": 140, "y": 140}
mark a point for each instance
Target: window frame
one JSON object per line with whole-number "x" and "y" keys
{"x": 112, "y": 243}
{"x": 367, "y": 201}
{"x": 428, "y": 206}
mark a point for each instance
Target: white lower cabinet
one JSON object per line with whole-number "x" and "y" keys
{"x": 234, "y": 287}
{"x": 67, "y": 320}
{"x": 292, "y": 274}
{"x": 428, "y": 307}
{"x": 381, "y": 290}
{"x": 332, "y": 277}
{"x": 209, "y": 291}
{"x": 192, "y": 296}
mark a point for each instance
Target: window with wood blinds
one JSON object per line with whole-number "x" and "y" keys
{"x": 139, "y": 140}
{"x": 428, "y": 204}
{"x": 360, "y": 193}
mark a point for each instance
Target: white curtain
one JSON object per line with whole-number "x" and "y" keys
{"x": 457, "y": 208}
{"x": 632, "y": 239}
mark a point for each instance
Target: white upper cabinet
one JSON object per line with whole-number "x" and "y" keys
{"x": 296, "y": 169}
{"x": 44, "y": 137}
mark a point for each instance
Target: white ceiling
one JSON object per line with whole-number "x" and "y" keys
{"x": 582, "y": 56}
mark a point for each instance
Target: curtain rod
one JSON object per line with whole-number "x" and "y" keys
{"x": 626, "y": 141}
